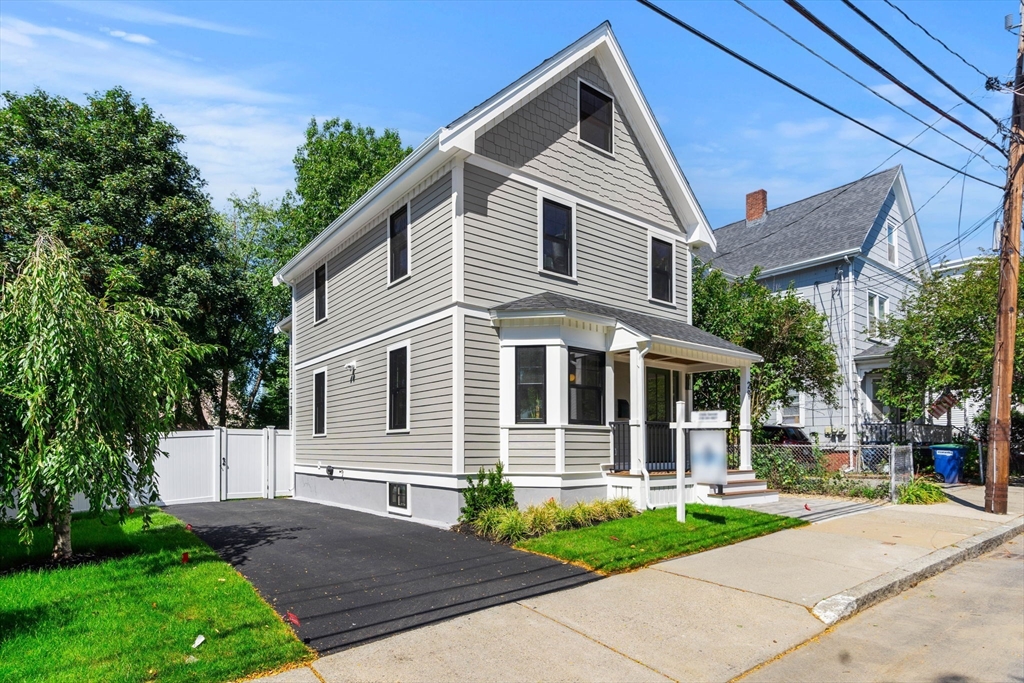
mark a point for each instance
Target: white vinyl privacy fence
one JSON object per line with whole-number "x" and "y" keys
{"x": 224, "y": 464}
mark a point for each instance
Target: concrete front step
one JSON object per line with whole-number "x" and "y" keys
{"x": 742, "y": 486}
{"x": 744, "y": 498}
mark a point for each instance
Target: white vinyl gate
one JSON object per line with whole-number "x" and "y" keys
{"x": 224, "y": 464}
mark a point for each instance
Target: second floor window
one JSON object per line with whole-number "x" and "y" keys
{"x": 586, "y": 387}
{"x": 661, "y": 270}
{"x": 398, "y": 388}
{"x": 557, "y": 238}
{"x": 320, "y": 403}
{"x": 320, "y": 294}
{"x": 878, "y": 308}
{"x": 398, "y": 244}
{"x": 531, "y": 386}
{"x": 595, "y": 117}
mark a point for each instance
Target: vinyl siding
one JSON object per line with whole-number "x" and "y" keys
{"x": 482, "y": 380}
{"x": 587, "y": 449}
{"x": 357, "y": 408}
{"x": 877, "y": 280}
{"x": 501, "y": 251}
{"x": 359, "y": 301}
{"x": 541, "y": 136}
{"x": 876, "y": 245}
{"x": 531, "y": 450}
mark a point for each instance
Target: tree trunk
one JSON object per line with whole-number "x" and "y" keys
{"x": 197, "y": 408}
{"x": 61, "y": 521}
{"x": 224, "y": 383}
{"x": 255, "y": 391}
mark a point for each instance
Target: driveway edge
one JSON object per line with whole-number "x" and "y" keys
{"x": 843, "y": 605}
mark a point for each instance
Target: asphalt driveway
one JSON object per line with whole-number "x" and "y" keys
{"x": 352, "y": 577}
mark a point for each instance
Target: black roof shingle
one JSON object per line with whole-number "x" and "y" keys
{"x": 641, "y": 322}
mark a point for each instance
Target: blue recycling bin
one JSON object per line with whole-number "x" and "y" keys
{"x": 949, "y": 461}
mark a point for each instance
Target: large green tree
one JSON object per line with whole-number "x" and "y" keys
{"x": 945, "y": 339}
{"x": 88, "y": 385}
{"x": 785, "y": 330}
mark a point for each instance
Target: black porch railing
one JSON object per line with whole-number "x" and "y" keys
{"x": 661, "y": 447}
{"x": 620, "y": 445}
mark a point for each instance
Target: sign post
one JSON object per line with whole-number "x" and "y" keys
{"x": 708, "y": 458}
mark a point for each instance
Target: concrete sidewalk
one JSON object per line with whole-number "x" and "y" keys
{"x": 706, "y": 617}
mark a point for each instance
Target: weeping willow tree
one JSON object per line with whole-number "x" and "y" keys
{"x": 87, "y": 387}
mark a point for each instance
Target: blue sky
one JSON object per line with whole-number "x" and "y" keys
{"x": 242, "y": 80}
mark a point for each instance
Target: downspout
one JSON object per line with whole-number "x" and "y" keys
{"x": 849, "y": 354}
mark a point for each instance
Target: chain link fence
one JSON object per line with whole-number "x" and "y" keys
{"x": 875, "y": 471}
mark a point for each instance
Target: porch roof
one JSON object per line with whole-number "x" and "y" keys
{"x": 874, "y": 352}
{"x": 551, "y": 304}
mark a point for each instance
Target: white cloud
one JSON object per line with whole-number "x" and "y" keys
{"x": 141, "y": 14}
{"x": 18, "y": 33}
{"x": 136, "y": 38}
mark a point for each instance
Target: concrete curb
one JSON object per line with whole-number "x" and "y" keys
{"x": 843, "y": 605}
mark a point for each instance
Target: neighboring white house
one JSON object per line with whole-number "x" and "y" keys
{"x": 516, "y": 290}
{"x": 855, "y": 252}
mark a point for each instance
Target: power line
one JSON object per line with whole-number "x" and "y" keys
{"x": 947, "y": 47}
{"x": 930, "y": 126}
{"x": 778, "y": 79}
{"x": 824, "y": 28}
{"x": 913, "y": 58}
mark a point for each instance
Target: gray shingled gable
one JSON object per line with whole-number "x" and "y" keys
{"x": 827, "y": 223}
{"x": 645, "y": 324}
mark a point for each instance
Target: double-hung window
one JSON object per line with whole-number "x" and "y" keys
{"x": 586, "y": 387}
{"x": 595, "y": 117}
{"x": 556, "y": 238}
{"x": 398, "y": 388}
{"x": 878, "y": 308}
{"x": 661, "y": 270}
{"x": 398, "y": 244}
{"x": 890, "y": 239}
{"x": 320, "y": 293}
{"x": 531, "y": 383}
{"x": 320, "y": 403}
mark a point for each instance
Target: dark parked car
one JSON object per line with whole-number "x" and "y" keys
{"x": 784, "y": 434}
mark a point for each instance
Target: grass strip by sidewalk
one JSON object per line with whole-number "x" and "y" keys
{"x": 134, "y": 617}
{"x": 636, "y": 542}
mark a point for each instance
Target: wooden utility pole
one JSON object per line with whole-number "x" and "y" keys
{"x": 998, "y": 466}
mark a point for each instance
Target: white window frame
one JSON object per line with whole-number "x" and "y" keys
{"x": 407, "y": 510}
{"x": 321, "y": 371}
{"x": 579, "y": 114}
{"x": 881, "y": 311}
{"x": 892, "y": 229}
{"x": 327, "y": 299}
{"x": 564, "y": 200}
{"x": 663, "y": 237}
{"x": 408, "y": 242}
{"x": 407, "y": 344}
{"x": 800, "y": 412}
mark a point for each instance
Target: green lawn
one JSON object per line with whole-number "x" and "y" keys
{"x": 636, "y": 542}
{"x": 134, "y": 618}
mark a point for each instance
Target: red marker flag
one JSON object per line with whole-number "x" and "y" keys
{"x": 188, "y": 527}
{"x": 292, "y": 618}
{"x": 184, "y": 558}
{"x": 807, "y": 507}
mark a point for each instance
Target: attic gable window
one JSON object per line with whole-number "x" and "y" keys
{"x": 890, "y": 239}
{"x": 595, "y": 117}
{"x": 398, "y": 244}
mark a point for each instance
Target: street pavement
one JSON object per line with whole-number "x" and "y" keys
{"x": 707, "y": 617}
{"x": 965, "y": 625}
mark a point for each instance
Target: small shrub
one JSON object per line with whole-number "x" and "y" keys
{"x": 623, "y": 508}
{"x": 511, "y": 527}
{"x": 541, "y": 519}
{"x": 920, "y": 492}
{"x": 491, "y": 490}
{"x": 486, "y": 522}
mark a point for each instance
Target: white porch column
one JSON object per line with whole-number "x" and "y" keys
{"x": 637, "y": 409}
{"x": 745, "y": 427}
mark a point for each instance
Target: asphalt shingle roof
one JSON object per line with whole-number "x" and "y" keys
{"x": 874, "y": 351}
{"x": 834, "y": 221}
{"x": 646, "y": 324}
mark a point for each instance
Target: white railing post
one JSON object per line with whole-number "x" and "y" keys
{"x": 745, "y": 426}
{"x": 680, "y": 463}
{"x": 637, "y": 410}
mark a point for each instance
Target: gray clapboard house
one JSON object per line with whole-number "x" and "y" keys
{"x": 855, "y": 251}
{"x": 516, "y": 290}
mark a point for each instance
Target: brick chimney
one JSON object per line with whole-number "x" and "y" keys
{"x": 757, "y": 205}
